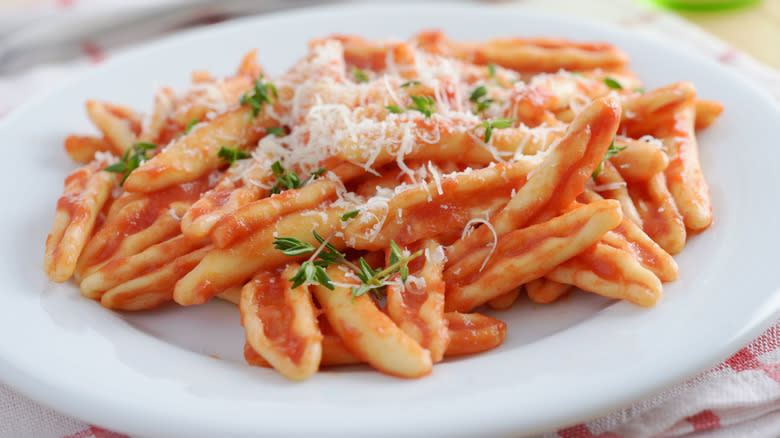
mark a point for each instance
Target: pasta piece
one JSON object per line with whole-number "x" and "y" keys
{"x": 153, "y": 127}
{"x": 281, "y": 323}
{"x": 152, "y": 288}
{"x": 644, "y": 113}
{"x": 469, "y": 333}
{"x": 683, "y": 175}
{"x": 504, "y": 302}
{"x": 124, "y": 269}
{"x": 223, "y": 268}
{"x": 660, "y": 218}
{"x": 610, "y": 272}
{"x": 706, "y": 113}
{"x": 639, "y": 161}
{"x": 527, "y": 254}
{"x": 423, "y": 211}
{"x": 232, "y": 192}
{"x": 195, "y": 155}
{"x": 118, "y": 124}
{"x": 86, "y": 191}
{"x": 557, "y": 181}
{"x": 417, "y": 306}
{"x": 630, "y": 238}
{"x": 611, "y": 185}
{"x": 472, "y": 333}
{"x": 529, "y": 54}
{"x": 368, "y": 333}
{"x": 545, "y": 291}
{"x": 137, "y": 222}
{"x": 82, "y": 149}
{"x": 246, "y": 219}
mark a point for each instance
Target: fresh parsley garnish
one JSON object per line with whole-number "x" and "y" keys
{"x": 423, "y": 104}
{"x": 408, "y": 84}
{"x": 394, "y": 109}
{"x": 613, "y": 84}
{"x": 312, "y": 271}
{"x": 349, "y": 215}
{"x": 478, "y": 97}
{"x": 276, "y": 130}
{"x": 611, "y": 152}
{"x": 360, "y": 75}
{"x": 286, "y": 180}
{"x": 261, "y": 94}
{"x": 231, "y": 155}
{"x": 133, "y": 157}
{"x": 490, "y": 125}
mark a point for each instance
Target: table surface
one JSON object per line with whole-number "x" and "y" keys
{"x": 754, "y": 29}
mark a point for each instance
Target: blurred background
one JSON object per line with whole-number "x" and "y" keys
{"x": 34, "y": 32}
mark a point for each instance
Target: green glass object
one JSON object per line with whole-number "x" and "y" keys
{"x": 704, "y": 5}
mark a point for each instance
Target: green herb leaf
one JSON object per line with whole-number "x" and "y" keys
{"x": 261, "y": 94}
{"x": 291, "y": 246}
{"x": 276, "y": 130}
{"x": 611, "y": 152}
{"x": 349, "y": 215}
{"x": 491, "y": 68}
{"x": 131, "y": 160}
{"x": 360, "y": 75}
{"x": 394, "y": 109}
{"x": 478, "y": 93}
{"x": 613, "y": 84}
{"x": 312, "y": 271}
{"x": 477, "y": 97}
{"x": 192, "y": 123}
{"x": 231, "y": 155}
{"x": 410, "y": 84}
{"x": 490, "y": 125}
{"x": 423, "y": 104}
{"x": 404, "y": 273}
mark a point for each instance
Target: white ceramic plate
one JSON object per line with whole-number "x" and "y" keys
{"x": 151, "y": 373}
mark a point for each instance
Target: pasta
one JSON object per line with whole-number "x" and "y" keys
{"x": 362, "y": 206}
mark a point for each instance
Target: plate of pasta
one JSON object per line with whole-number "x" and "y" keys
{"x": 385, "y": 220}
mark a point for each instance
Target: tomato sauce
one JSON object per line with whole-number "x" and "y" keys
{"x": 277, "y": 317}
{"x": 156, "y": 204}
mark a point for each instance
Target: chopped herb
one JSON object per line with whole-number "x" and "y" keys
{"x": 312, "y": 271}
{"x": 477, "y": 97}
{"x": 360, "y": 75}
{"x": 276, "y": 130}
{"x": 286, "y": 180}
{"x": 410, "y": 84}
{"x": 192, "y": 123}
{"x": 490, "y": 125}
{"x": 133, "y": 157}
{"x": 394, "y": 109}
{"x": 349, "y": 215}
{"x": 231, "y": 155}
{"x": 611, "y": 152}
{"x": 261, "y": 94}
{"x": 423, "y": 104}
{"x": 491, "y": 68}
{"x": 613, "y": 84}
{"x": 478, "y": 93}
{"x": 639, "y": 90}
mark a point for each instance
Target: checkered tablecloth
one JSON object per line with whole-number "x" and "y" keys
{"x": 44, "y": 43}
